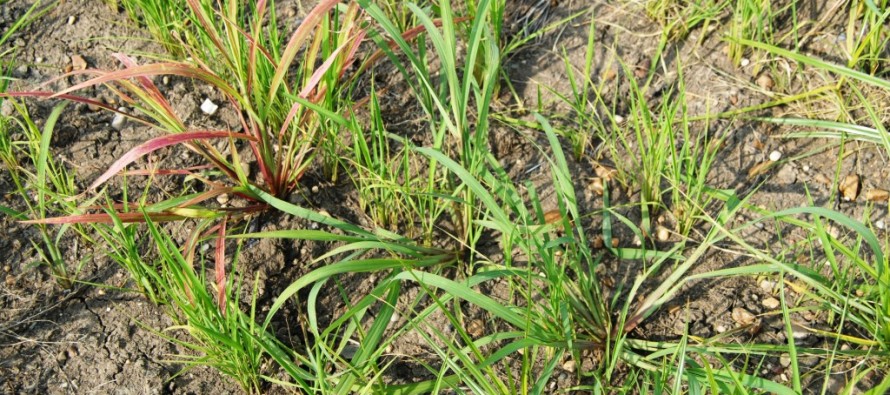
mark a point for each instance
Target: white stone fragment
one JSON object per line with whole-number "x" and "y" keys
{"x": 209, "y": 107}
{"x": 119, "y": 120}
{"x": 775, "y": 156}
{"x": 745, "y": 62}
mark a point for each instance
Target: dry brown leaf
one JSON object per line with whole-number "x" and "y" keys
{"x": 596, "y": 185}
{"x": 849, "y": 187}
{"x": 78, "y": 63}
{"x": 877, "y": 195}
{"x": 759, "y": 169}
{"x": 605, "y": 172}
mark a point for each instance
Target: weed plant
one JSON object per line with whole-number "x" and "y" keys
{"x": 552, "y": 304}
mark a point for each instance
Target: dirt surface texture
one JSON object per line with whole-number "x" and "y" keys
{"x": 95, "y": 337}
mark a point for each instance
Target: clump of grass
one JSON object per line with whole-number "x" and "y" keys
{"x": 44, "y": 186}
{"x": 448, "y": 97}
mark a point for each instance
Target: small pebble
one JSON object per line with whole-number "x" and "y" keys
{"x": 7, "y": 109}
{"x": 771, "y": 303}
{"x": 118, "y": 121}
{"x": 662, "y": 233}
{"x": 101, "y": 292}
{"x": 742, "y": 316}
{"x": 765, "y": 82}
{"x": 223, "y": 198}
{"x": 394, "y": 318}
{"x": 209, "y": 107}
{"x": 720, "y": 328}
{"x": 786, "y": 175}
{"x": 798, "y": 332}
{"x": 745, "y": 62}
{"x": 880, "y": 224}
{"x": 775, "y": 156}
{"x": 7, "y": 269}
{"x": 165, "y": 80}
{"x": 569, "y": 366}
{"x": 315, "y": 189}
{"x": 71, "y": 19}
{"x": 785, "y": 360}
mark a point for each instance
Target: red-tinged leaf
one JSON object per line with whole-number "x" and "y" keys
{"x": 168, "y": 68}
{"x": 221, "y": 267}
{"x": 149, "y": 86}
{"x": 350, "y": 57}
{"x": 106, "y": 218}
{"x": 166, "y": 172}
{"x": 206, "y": 195}
{"x": 296, "y": 41}
{"x": 74, "y": 98}
{"x": 310, "y": 85}
{"x": 158, "y": 143}
{"x": 198, "y": 11}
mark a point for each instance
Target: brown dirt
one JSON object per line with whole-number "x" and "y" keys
{"x": 87, "y": 339}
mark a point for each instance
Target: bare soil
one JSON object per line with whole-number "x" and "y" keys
{"x": 91, "y": 339}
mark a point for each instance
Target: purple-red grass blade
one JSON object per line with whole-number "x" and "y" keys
{"x": 104, "y": 218}
{"x": 166, "y": 172}
{"x": 149, "y": 86}
{"x": 74, "y": 98}
{"x": 221, "y": 267}
{"x": 168, "y": 68}
{"x": 296, "y": 41}
{"x": 310, "y": 85}
{"x": 158, "y": 143}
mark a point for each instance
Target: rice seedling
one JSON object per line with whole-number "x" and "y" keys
{"x": 450, "y": 98}
{"x": 44, "y": 187}
{"x": 678, "y": 18}
{"x": 163, "y": 18}
{"x": 865, "y": 38}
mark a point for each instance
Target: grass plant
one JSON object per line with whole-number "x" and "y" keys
{"x": 530, "y": 295}
{"x": 44, "y": 187}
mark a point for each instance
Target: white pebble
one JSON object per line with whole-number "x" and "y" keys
{"x": 71, "y": 19}
{"x": 119, "y": 120}
{"x": 619, "y": 119}
{"x": 880, "y": 224}
{"x": 745, "y": 62}
{"x": 775, "y": 156}
{"x": 209, "y": 107}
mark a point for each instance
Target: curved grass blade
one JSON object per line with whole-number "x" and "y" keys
{"x": 158, "y": 143}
